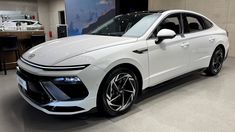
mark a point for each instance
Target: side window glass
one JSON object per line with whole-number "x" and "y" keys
{"x": 171, "y": 22}
{"x": 194, "y": 24}
{"x": 207, "y": 23}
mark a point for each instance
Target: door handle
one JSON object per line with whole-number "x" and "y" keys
{"x": 212, "y": 39}
{"x": 185, "y": 45}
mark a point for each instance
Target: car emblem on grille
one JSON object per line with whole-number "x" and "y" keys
{"x": 31, "y": 56}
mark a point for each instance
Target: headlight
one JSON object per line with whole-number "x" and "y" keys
{"x": 66, "y": 88}
{"x": 66, "y": 80}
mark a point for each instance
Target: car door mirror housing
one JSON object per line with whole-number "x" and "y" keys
{"x": 165, "y": 34}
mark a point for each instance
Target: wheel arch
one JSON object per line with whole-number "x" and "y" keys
{"x": 210, "y": 70}
{"x": 223, "y": 48}
{"x": 136, "y": 70}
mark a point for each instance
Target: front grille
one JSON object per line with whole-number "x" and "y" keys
{"x": 35, "y": 92}
{"x": 41, "y": 93}
{"x": 75, "y": 92}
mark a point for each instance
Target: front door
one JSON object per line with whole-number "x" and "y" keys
{"x": 170, "y": 58}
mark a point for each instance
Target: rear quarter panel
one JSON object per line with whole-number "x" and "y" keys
{"x": 221, "y": 39}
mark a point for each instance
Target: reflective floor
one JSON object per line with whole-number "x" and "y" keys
{"x": 195, "y": 103}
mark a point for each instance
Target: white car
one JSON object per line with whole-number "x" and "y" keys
{"x": 110, "y": 67}
{"x": 30, "y": 24}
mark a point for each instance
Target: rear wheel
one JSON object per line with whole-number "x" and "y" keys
{"x": 118, "y": 92}
{"x": 216, "y": 62}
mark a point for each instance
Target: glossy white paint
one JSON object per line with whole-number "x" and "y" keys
{"x": 166, "y": 33}
{"x": 164, "y": 61}
{"x": 167, "y": 60}
{"x": 59, "y": 50}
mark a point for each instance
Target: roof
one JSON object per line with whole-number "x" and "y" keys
{"x": 163, "y": 11}
{"x": 167, "y": 12}
{"x": 150, "y": 12}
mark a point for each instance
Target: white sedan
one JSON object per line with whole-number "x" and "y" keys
{"x": 110, "y": 67}
{"x": 29, "y": 24}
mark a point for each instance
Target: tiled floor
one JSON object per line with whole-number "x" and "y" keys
{"x": 193, "y": 104}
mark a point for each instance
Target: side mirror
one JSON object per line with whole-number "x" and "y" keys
{"x": 165, "y": 34}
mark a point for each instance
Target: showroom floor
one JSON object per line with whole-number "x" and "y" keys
{"x": 194, "y": 103}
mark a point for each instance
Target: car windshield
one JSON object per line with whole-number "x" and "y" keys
{"x": 130, "y": 25}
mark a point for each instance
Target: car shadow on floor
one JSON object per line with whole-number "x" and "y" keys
{"x": 26, "y": 118}
{"x": 171, "y": 85}
{"x": 20, "y": 113}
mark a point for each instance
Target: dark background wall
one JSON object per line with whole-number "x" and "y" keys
{"x": 126, "y": 6}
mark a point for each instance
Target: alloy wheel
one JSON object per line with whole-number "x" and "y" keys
{"x": 217, "y": 61}
{"x": 121, "y": 92}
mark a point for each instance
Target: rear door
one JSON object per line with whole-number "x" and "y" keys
{"x": 200, "y": 41}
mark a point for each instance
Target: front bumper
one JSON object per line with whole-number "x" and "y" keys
{"x": 49, "y": 100}
{"x": 43, "y": 109}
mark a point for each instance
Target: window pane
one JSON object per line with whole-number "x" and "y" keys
{"x": 208, "y": 24}
{"x": 130, "y": 25}
{"x": 172, "y": 23}
{"x": 194, "y": 24}
{"x": 142, "y": 26}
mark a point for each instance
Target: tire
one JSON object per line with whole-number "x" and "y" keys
{"x": 216, "y": 62}
{"x": 117, "y": 92}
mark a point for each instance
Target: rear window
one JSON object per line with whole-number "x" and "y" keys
{"x": 194, "y": 23}
{"x": 207, "y": 23}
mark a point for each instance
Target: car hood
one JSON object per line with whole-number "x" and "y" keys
{"x": 53, "y": 52}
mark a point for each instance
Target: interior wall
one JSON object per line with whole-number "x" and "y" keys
{"x": 54, "y": 7}
{"x": 18, "y": 5}
{"x": 222, "y": 12}
{"x": 43, "y": 9}
{"x": 48, "y": 15}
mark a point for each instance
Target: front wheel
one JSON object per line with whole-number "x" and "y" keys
{"x": 118, "y": 92}
{"x": 216, "y": 62}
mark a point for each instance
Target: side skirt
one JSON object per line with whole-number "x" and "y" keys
{"x": 170, "y": 84}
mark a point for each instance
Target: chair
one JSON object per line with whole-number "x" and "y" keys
{"x": 8, "y": 44}
{"x": 37, "y": 39}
